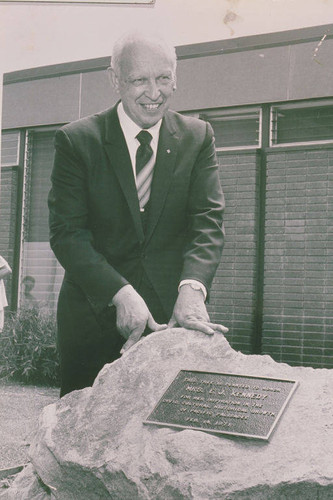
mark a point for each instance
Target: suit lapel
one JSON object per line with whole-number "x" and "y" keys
{"x": 117, "y": 152}
{"x": 163, "y": 172}
{"x": 116, "y": 149}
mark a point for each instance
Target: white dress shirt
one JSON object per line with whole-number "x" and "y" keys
{"x": 130, "y": 130}
{"x": 5, "y": 270}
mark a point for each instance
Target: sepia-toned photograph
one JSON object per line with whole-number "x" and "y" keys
{"x": 166, "y": 250}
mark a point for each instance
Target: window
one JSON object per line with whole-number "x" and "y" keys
{"x": 235, "y": 128}
{"x": 41, "y": 274}
{"x": 10, "y": 148}
{"x": 300, "y": 123}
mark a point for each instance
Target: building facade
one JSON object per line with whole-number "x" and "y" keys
{"x": 269, "y": 99}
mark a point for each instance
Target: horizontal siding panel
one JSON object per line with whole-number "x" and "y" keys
{"x": 10, "y": 148}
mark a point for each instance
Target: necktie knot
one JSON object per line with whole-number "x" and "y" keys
{"x": 144, "y": 137}
{"x": 144, "y": 151}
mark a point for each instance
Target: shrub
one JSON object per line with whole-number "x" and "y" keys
{"x": 28, "y": 347}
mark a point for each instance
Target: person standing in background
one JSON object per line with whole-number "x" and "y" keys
{"x": 5, "y": 270}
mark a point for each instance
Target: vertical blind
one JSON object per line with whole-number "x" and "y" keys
{"x": 41, "y": 273}
{"x": 41, "y": 167}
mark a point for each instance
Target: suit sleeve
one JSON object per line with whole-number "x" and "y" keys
{"x": 205, "y": 211}
{"x": 70, "y": 238}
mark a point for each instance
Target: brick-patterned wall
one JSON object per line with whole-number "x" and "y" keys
{"x": 298, "y": 263}
{"x": 8, "y": 214}
{"x": 233, "y": 295}
{"x": 298, "y": 280}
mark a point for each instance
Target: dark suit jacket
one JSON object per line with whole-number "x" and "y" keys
{"x": 95, "y": 223}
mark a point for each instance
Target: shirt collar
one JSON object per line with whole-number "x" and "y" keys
{"x": 131, "y": 129}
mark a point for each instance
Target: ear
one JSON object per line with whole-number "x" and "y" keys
{"x": 113, "y": 78}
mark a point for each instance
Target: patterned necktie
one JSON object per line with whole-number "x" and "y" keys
{"x": 144, "y": 166}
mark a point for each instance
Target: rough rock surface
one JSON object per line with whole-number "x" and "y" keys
{"x": 92, "y": 444}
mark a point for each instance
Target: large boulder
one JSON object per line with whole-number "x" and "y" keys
{"x": 92, "y": 444}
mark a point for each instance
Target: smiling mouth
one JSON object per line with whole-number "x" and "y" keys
{"x": 151, "y": 107}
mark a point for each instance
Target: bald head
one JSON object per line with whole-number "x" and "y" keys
{"x": 143, "y": 73}
{"x": 125, "y": 46}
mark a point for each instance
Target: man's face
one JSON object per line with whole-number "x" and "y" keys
{"x": 145, "y": 82}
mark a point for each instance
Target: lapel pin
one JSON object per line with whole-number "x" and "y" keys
{"x": 168, "y": 151}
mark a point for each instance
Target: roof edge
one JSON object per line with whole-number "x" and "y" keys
{"x": 203, "y": 49}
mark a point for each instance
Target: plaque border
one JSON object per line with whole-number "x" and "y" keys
{"x": 214, "y": 431}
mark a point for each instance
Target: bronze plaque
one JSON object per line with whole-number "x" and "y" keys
{"x": 223, "y": 403}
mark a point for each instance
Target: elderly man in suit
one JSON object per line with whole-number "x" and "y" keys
{"x": 136, "y": 214}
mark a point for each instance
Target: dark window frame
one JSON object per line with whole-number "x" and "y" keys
{"x": 233, "y": 113}
{"x": 296, "y": 105}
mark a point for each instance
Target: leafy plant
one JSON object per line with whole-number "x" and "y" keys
{"x": 28, "y": 347}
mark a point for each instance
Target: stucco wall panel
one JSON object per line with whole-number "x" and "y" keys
{"x": 97, "y": 92}
{"x": 41, "y": 102}
{"x": 233, "y": 79}
{"x": 311, "y": 71}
